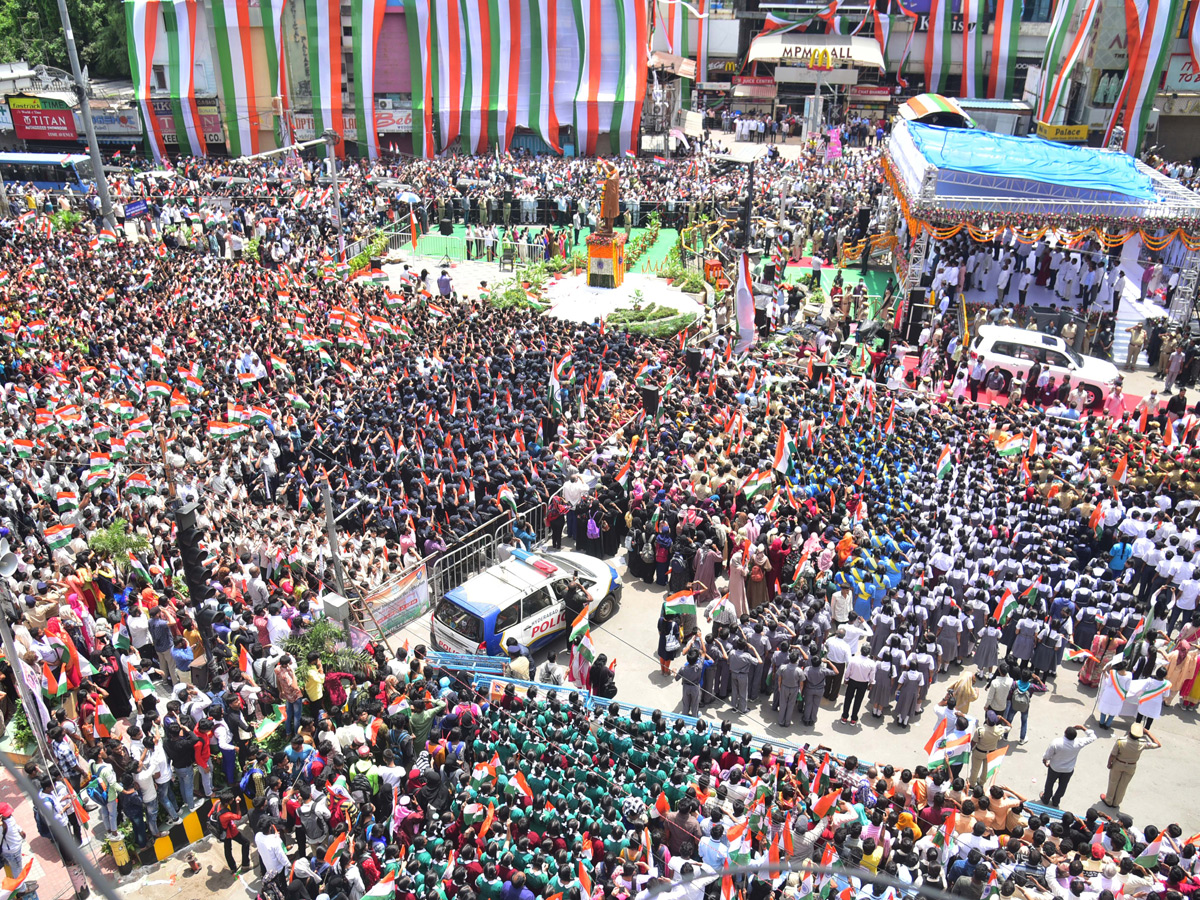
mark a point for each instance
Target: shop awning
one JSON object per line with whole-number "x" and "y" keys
{"x": 755, "y": 91}
{"x": 844, "y": 50}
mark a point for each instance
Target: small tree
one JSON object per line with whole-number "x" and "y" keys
{"x": 116, "y": 540}
{"x": 328, "y": 640}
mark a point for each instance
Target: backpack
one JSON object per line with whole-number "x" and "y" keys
{"x": 212, "y": 823}
{"x": 648, "y": 551}
{"x": 593, "y": 530}
{"x": 360, "y": 789}
{"x": 677, "y": 563}
{"x": 757, "y": 573}
{"x": 1020, "y": 700}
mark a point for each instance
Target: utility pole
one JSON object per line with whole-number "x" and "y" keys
{"x": 748, "y": 208}
{"x": 331, "y": 138}
{"x": 331, "y": 533}
{"x": 85, "y": 112}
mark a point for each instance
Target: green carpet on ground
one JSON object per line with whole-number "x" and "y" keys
{"x": 454, "y": 246}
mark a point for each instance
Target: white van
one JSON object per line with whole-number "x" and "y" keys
{"x": 523, "y": 598}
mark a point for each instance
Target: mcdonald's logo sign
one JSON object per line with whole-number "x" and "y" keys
{"x": 820, "y": 59}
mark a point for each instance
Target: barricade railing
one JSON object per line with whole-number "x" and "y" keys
{"x": 478, "y": 665}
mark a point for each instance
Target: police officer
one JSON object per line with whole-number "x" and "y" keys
{"x": 1123, "y": 760}
{"x": 743, "y": 663}
{"x": 691, "y": 673}
{"x": 789, "y": 678}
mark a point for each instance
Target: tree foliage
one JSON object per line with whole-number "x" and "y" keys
{"x": 31, "y": 30}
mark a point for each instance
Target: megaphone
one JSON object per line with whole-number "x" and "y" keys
{"x": 8, "y": 564}
{"x": 3, "y": 546}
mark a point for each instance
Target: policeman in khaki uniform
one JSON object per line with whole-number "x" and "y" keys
{"x": 1123, "y": 760}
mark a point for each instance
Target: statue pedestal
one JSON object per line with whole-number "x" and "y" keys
{"x": 606, "y": 260}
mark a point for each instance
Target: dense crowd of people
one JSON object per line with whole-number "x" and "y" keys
{"x": 816, "y": 529}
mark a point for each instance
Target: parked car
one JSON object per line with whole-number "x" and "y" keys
{"x": 1010, "y": 350}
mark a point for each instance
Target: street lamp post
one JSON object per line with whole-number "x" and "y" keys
{"x": 85, "y": 113}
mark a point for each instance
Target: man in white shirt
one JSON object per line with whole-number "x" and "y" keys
{"x": 1060, "y": 758}
{"x": 271, "y": 853}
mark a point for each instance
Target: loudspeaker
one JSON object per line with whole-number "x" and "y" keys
{"x": 693, "y": 359}
{"x": 376, "y": 262}
{"x": 446, "y": 227}
{"x": 864, "y": 218}
{"x": 768, "y": 275}
{"x": 649, "y": 400}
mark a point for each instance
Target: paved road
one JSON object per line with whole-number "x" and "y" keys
{"x": 1163, "y": 790}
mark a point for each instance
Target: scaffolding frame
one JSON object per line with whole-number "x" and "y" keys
{"x": 987, "y": 195}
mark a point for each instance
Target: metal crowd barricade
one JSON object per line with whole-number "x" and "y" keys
{"x": 478, "y": 666}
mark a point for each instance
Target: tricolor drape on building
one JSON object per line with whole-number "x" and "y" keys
{"x": 1006, "y": 28}
{"x": 972, "y": 42}
{"x": 483, "y": 68}
{"x": 323, "y": 24}
{"x": 235, "y": 57}
{"x": 937, "y": 46}
{"x": 1062, "y": 52}
{"x": 142, "y": 25}
{"x": 366, "y": 20}
{"x": 1151, "y": 26}
{"x": 272, "y": 24}
{"x": 180, "y": 16}
{"x": 148, "y": 23}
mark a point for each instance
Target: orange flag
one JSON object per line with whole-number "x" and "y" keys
{"x": 523, "y": 785}
{"x": 487, "y": 822}
{"x": 662, "y": 804}
{"x": 585, "y": 881}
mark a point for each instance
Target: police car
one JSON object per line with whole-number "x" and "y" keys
{"x": 522, "y": 597}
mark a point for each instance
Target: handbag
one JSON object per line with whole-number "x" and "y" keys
{"x": 672, "y": 642}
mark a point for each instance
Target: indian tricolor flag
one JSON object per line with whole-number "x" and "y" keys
{"x": 23, "y": 447}
{"x": 995, "y": 758}
{"x": 944, "y": 463}
{"x": 104, "y": 720}
{"x": 136, "y": 566}
{"x": 53, "y": 687}
{"x": 1005, "y": 608}
{"x": 245, "y": 379}
{"x": 785, "y": 453}
{"x": 139, "y": 681}
{"x": 580, "y": 626}
{"x": 158, "y": 389}
{"x": 757, "y": 482}
{"x": 67, "y": 501}
{"x": 1012, "y": 446}
{"x": 297, "y": 401}
{"x": 1074, "y": 655}
{"x": 58, "y": 536}
{"x": 138, "y": 483}
{"x": 680, "y": 604}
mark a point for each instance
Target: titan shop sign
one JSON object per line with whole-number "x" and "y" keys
{"x": 41, "y": 118}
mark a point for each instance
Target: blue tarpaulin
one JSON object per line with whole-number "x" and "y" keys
{"x": 1033, "y": 159}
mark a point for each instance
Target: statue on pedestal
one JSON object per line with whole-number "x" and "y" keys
{"x": 610, "y": 200}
